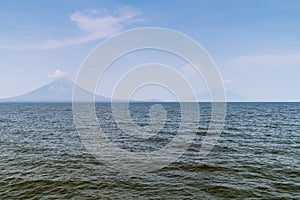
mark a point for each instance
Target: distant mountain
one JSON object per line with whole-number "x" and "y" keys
{"x": 230, "y": 97}
{"x": 147, "y": 100}
{"x": 59, "y": 90}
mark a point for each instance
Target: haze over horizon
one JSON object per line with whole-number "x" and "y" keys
{"x": 61, "y": 89}
{"x": 255, "y": 44}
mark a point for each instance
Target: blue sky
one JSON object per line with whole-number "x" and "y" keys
{"x": 255, "y": 44}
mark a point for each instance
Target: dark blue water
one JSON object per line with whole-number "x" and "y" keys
{"x": 256, "y": 157}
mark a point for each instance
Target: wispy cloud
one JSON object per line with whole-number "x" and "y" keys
{"x": 56, "y": 74}
{"x": 19, "y": 70}
{"x": 267, "y": 60}
{"x": 228, "y": 82}
{"x": 92, "y": 25}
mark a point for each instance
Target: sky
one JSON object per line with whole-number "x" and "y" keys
{"x": 255, "y": 44}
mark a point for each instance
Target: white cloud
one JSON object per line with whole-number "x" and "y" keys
{"x": 19, "y": 70}
{"x": 267, "y": 60}
{"x": 92, "y": 25}
{"x": 228, "y": 82}
{"x": 56, "y": 74}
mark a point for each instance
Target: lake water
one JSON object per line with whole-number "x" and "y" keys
{"x": 256, "y": 157}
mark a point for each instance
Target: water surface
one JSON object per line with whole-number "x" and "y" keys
{"x": 257, "y": 155}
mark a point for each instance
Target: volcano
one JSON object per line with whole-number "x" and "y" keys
{"x": 59, "y": 90}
